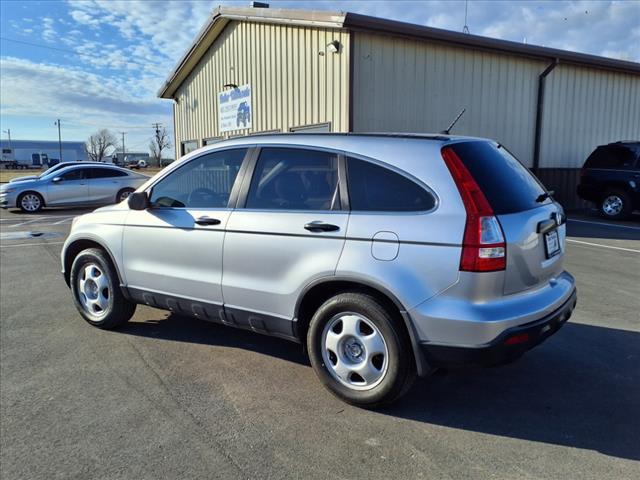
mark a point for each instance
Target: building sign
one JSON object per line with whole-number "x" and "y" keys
{"x": 234, "y": 108}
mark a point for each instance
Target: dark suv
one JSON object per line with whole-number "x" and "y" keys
{"x": 611, "y": 179}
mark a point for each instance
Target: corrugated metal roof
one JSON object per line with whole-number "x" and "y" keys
{"x": 353, "y": 21}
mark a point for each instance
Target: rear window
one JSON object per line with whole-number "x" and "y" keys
{"x": 610, "y": 157}
{"x": 507, "y": 184}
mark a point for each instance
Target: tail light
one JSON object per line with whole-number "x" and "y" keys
{"x": 483, "y": 246}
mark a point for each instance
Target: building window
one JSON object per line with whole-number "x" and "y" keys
{"x": 267, "y": 132}
{"x": 211, "y": 140}
{"x": 317, "y": 128}
{"x": 188, "y": 146}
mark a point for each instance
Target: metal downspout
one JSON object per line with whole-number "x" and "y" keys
{"x": 539, "y": 107}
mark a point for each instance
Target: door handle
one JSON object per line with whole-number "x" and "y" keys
{"x": 207, "y": 221}
{"x": 318, "y": 226}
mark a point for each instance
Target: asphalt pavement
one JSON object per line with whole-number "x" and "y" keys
{"x": 172, "y": 397}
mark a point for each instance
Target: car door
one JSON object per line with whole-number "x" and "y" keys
{"x": 287, "y": 231}
{"x": 69, "y": 187}
{"x": 173, "y": 250}
{"x": 104, "y": 184}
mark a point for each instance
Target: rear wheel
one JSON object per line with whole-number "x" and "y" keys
{"x": 615, "y": 204}
{"x": 359, "y": 351}
{"x": 30, "y": 202}
{"x": 124, "y": 194}
{"x": 96, "y": 290}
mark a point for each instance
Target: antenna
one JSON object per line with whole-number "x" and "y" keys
{"x": 465, "y": 29}
{"x": 446, "y": 132}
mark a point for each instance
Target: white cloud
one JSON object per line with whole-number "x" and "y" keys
{"x": 84, "y": 18}
{"x": 79, "y": 97}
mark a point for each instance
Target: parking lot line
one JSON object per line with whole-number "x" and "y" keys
{"x": 35, "y": 244}
{"x": 63, "y": 221}
{"x": 603, "y": 246}
{"x": 591, "y": 222}
{"x": 24, "y": 223}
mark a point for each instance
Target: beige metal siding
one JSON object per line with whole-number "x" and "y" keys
{"x": 292, "y": 83}
{"x": 406, "y": 85}
{"x": 584, "y": 108}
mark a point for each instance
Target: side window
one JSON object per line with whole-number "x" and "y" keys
{"x": 373, "y": 188}
{"x": 76, "y": 174}
{"x": 610, "y": 157}
{"x": 105, "y": 173}
{"x": 204, "y": 182}
{"x": 294, "y": 179}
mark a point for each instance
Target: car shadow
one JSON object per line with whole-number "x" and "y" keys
{"x": 579, "y": 389}
{"x": 54, "y": 211}
{"x": 186, "y": 329}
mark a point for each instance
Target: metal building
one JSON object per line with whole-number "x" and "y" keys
{"x": 254, "y": 70}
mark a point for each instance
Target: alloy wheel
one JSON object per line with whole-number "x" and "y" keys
{"x": 124, "y": 195}
{"x": 612, "y": 205}
{"x": 30, "y": 202}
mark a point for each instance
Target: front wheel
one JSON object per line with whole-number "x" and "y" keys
{"x": 96, "y": 290}
{"x": 616, "y": 205}
{"x": 123, "y": 194}
{"x": 30, "y": 202}
{"x": 360, "y": 351}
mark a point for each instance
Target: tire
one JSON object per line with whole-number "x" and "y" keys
{"x": 96, "y": 290}
{"x": 615, "y": 205}
{"x": 373, "y": 366}
{"x": 122, "y": 195}
{"x": 30, "y": 202}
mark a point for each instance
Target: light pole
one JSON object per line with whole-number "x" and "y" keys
{"x": 8, "y": 132}
{"x": 59, "y": 140}
{"x": 123, "y": 133}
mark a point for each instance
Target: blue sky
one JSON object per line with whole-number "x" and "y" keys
{"x": 99, "y": 63}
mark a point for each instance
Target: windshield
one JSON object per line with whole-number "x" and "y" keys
{"x": 50, "y": 170}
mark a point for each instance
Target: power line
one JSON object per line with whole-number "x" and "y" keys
{"x": 39, "y": 45}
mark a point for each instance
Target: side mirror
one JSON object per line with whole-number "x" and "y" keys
{"x": 138, "y": 201}
{"x": 56, "y": 179}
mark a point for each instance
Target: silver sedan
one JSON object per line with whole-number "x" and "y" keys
{"x": 78, "y": 185}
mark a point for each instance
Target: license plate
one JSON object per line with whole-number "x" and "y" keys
{"x": 551, "y": 243}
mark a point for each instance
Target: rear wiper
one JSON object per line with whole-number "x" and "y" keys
{"x": 543, "y": 196}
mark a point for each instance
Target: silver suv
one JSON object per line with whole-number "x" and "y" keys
{"x": 386, "y": 255}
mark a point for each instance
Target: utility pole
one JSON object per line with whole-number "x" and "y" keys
{"x": 123, "y": 133}
{"x": 59, "y": 139}
{"x": 8, "y": 132}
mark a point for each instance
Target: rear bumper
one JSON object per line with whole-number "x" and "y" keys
{"x": 508, "y": 346}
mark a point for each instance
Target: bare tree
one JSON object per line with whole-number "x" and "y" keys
{"x": 158, "y": 144}
{"x": 99, "y": 143}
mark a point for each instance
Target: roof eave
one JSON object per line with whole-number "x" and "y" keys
{"x": 364, "y": 22}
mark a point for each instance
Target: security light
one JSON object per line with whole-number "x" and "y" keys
{"x": 333, "y": 47}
